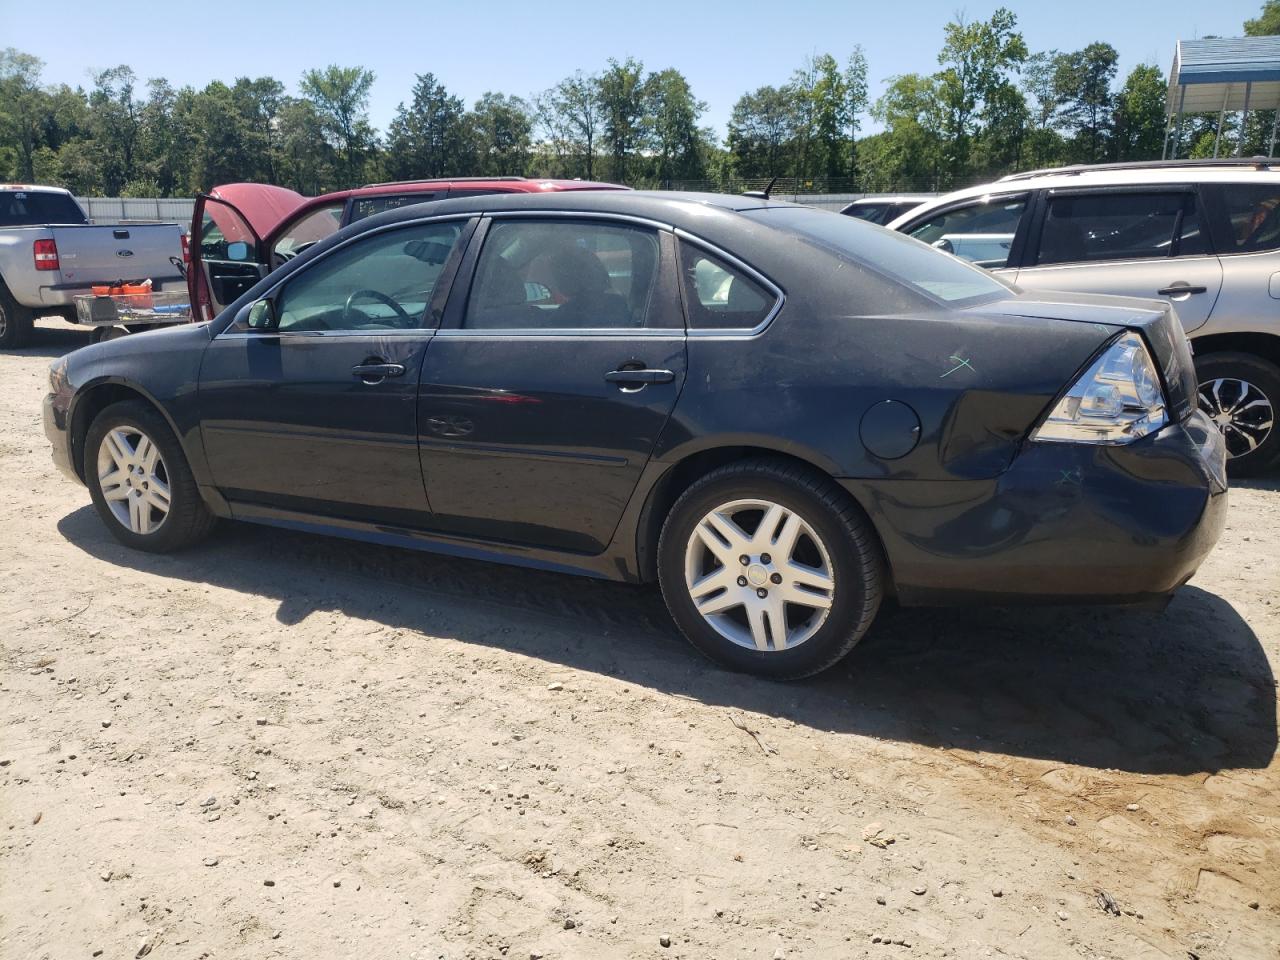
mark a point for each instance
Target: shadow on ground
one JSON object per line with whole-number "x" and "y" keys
{"x": 1185, "y": 691}
{"x": 53, "y": 338}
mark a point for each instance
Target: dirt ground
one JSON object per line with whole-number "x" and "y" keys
{"x": 278, "y": 745}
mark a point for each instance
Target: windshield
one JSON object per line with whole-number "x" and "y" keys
{"x": 937, "y": 275}
{"x": 30, "y": 208}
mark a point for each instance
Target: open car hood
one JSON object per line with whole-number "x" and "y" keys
{"x": 264, "y": 206}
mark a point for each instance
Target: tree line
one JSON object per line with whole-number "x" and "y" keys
{"x": 991, "y": 107}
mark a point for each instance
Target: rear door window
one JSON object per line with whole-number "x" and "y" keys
{"x": 1248, "y": 215}
{"x": 1091, "y": 228}
{"x": 981, "y": 232}
{"x": 564, "y": 275}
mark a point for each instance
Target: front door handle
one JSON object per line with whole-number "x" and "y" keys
{"x": 1179, "y": 289}
{"x": 639, "y": 376}
{"x": 372, "y": 371}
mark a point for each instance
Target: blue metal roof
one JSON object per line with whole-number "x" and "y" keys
{"x": 1228, "y": 60}
{"x": 1211, "y": 75}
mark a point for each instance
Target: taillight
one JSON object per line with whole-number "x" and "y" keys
{"x": 186, "y": 250}
{"x": 46, "y": 254}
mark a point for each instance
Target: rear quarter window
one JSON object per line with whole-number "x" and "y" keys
{"x": 1247, "y": 216}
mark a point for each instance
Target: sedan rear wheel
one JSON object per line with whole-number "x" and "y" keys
{"x": 770, "y": 568}
{"x": 767, "y": 589}
{"x": 140, "y": 482}
{"x": 1240, "y": 393}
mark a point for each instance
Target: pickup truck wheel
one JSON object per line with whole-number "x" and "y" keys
{"x": 139, "y": 480}
{"x": 1241, "y": 394}
{"x": 15, "y": 321}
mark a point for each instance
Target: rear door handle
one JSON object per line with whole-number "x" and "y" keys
{"x": 1178, "y": 289}
{"x": 639, "y": 376}
{"x": 377, "y": 372}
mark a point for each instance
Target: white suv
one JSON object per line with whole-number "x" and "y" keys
{"x": 1202, "y": 235}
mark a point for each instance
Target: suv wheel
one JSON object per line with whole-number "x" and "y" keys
{"x": 140, "y": 482}
{"x": 770, "y": 568}
{"x": 1241, "y": 393}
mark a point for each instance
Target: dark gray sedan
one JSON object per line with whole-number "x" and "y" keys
{"x": 781, "y": 415}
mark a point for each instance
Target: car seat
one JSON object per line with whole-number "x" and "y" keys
{"x": 589, "y": 301}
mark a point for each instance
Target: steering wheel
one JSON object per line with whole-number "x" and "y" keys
{"x": 381, "y": 298}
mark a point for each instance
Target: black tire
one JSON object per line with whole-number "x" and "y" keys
{"x": 188, "y": 520}
{"x": 15, "y": 321}
{"x": 857, "y": 565}
{"x": 1264, "y": 376}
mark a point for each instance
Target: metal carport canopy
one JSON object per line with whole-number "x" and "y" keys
{"x": 1210, "y": 76}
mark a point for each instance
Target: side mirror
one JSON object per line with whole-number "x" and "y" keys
{"x": 238, "y": 251}
{"x": 261, "y": 315}
{"x": 945, "y": 245}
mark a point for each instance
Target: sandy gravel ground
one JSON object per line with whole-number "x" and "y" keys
{"x": 278, "y": 745}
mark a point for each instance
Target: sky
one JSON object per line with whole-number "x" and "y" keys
{"x": 725, "y": 49}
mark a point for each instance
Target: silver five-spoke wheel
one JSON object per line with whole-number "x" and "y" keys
{"x": 759, "y": 574}
{"x": 133, "y": 478}
{"x": 1242, "y": 412}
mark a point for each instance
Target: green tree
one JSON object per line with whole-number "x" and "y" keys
{"x": 1140, "y": 115}
{"x": 675, "y": 141}
{"x": 115, "y": 122}
{"x": 910, "y": 153}
{"x": 855, "y": 86}
{"x": 340, "y": 96}
{"x": 257, "y": 104}
{"x": 1267, "y": 23}
{"x": 306, "y": 159}
{"x": 23, "y": 107}
{"x": 761, "y": 129}
{"x": 502, "y": 133}
{"x": 977, "y": 59}
{"x": 622, "y": 95}
{"x": 1082, "y": 84}
{"x": 831, "y": 118}
{"x": 571, "y": 115}
{"x": 429, "y": 137}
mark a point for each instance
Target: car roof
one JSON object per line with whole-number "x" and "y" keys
{"x": 1119, "y": 176}
{"x": 505, "y": 184}
{"x": 676, "y": 208}
{"x": 894, "y": 198}
{"x": 1103, "y": 175}
{"x": 33, "y": 188}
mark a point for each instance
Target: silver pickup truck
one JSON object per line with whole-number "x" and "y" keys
{"x": 49, "y": 253}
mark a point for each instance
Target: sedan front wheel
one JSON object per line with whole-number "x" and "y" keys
{"x": 139, "y": 480}
{"x": 770, "y": 568}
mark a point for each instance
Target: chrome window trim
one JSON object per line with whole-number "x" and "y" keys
{"x": 732, "y": 333}
{"x": 566, "y": 333}
{"x": 424, "y": 332}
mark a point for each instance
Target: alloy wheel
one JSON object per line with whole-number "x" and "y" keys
{"x": 4, "y": 321}
{"x": 133, "y": 479}
{"x": 1241, "y": 411}
{"x": 759, "y": 574}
